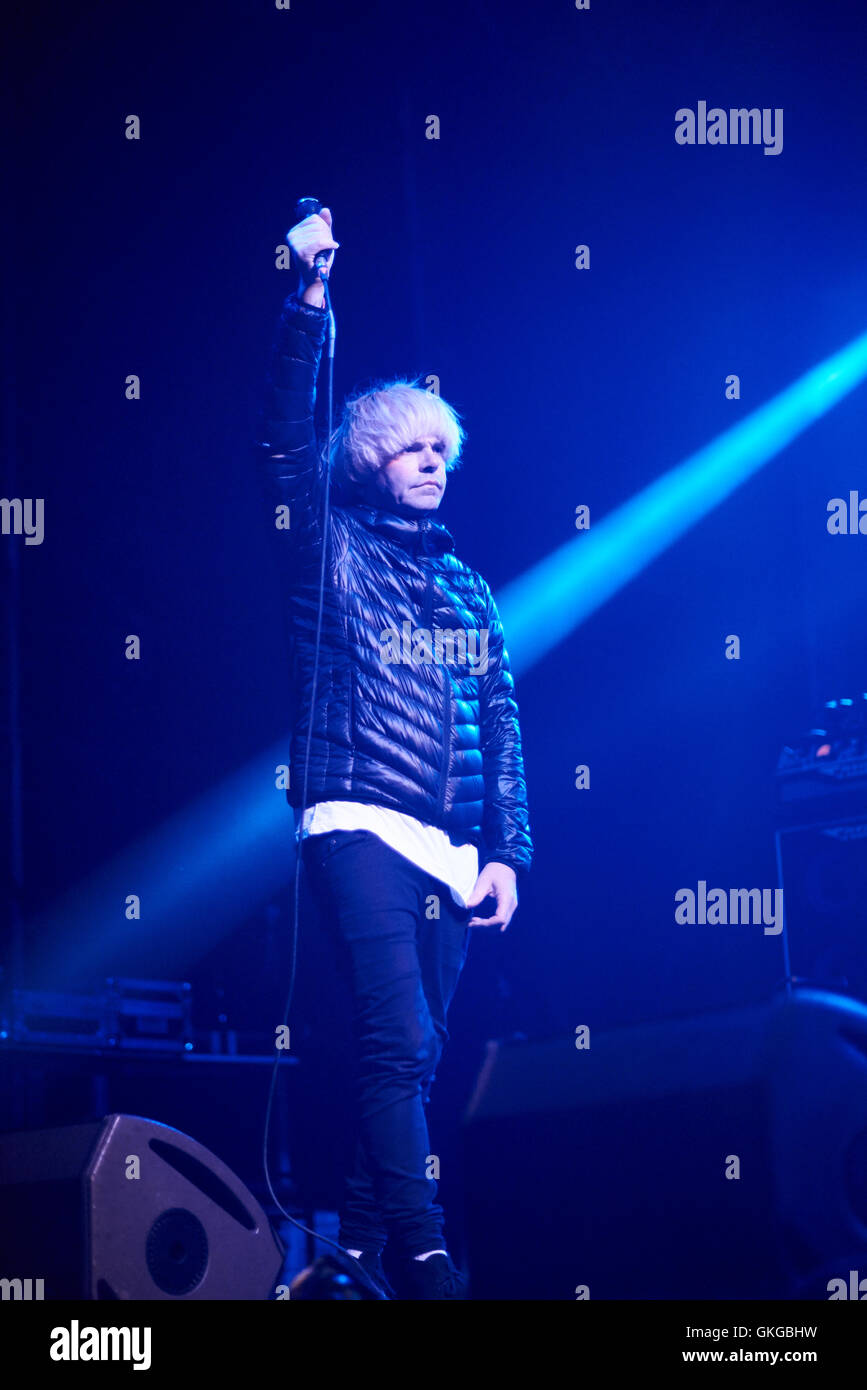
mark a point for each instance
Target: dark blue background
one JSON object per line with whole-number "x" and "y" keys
{"x": 557, "y": 128}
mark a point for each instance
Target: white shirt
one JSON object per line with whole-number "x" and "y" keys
{"x": 424, "y": 845}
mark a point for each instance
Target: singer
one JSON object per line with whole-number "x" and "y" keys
{"x": 416, "y": 807}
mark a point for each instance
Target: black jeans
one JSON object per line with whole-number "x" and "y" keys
{"x": 404, "y": 940}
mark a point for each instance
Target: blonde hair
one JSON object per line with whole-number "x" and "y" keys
{"x": 385, "y": 420}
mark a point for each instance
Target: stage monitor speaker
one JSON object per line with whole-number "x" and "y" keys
{"x": 126, "y": 1208}
{"x": 717, "y": 1157}
{"x": 823, "y": 873}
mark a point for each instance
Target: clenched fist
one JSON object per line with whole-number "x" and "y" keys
{"x": 307, "y": 239}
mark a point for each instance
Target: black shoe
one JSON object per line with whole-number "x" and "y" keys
{"x": 371, "y": 1263}
{"x": 435, "y": 1277}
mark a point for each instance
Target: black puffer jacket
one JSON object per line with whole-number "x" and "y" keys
{"x": 436, "y": 740}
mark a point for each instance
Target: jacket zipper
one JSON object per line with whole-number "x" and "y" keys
{"x": 446, "y": 702}
{"x": 352, "y": 707}
{"x": 427, "y": 611}
{"x": 447, "y": 738}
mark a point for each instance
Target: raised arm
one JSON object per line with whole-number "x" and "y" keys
{"x": 286, "y": 445}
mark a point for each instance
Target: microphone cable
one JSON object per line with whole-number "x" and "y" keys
{"x": 324, "y": 462}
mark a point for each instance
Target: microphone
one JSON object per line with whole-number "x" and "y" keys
{"x": 306, "y": 207}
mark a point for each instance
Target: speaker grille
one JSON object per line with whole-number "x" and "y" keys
{"x": 177, "y": 1251}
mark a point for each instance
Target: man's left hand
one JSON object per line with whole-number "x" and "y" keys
{"x": 498, "y": 880}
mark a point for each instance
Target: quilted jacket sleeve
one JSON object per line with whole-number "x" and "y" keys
{"x": 286, "y": 446}
{"x": 505, "y": 823}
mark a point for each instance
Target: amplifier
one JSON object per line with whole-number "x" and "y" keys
{"x": 823, "y": 774}
{"x": 131, "y": 1015}
{"x": 823, "y": 873}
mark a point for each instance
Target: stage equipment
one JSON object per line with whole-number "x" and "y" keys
{"x": 716, "y": 1157}
{"x": 126, "y": 1208}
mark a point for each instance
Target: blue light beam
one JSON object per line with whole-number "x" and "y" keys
{"x": 197, "y": 876}
{"x": 547, "y": 602}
